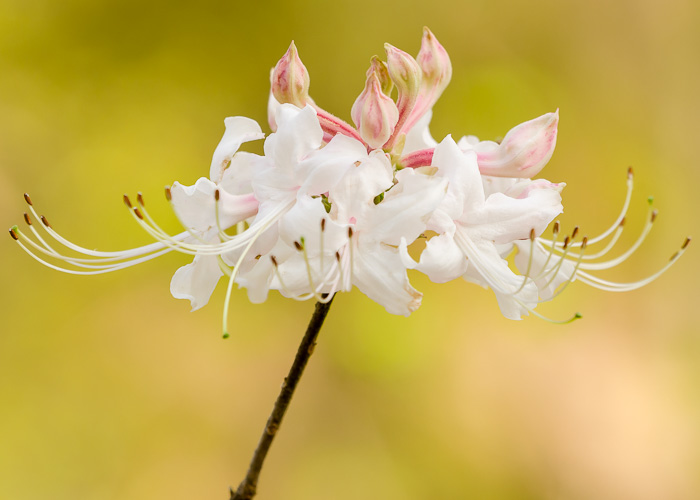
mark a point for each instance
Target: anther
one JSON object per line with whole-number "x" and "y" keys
{"x": 622, "y": 222}
{"x": 45, "y": 222}
{"x": 630, "y": 173}
{"x": 298, "y": 246}
{"x": 138, "y": 213}
{"x": 127, "y": 201}
{"x": 323, "y": 224}
{"x": 139, "y": 198}
{"x": 653, "y": 215}
{"x": 574, "y": 232}
{"x": 532, "y": 234}
{"x": 555, "y": 229}
{"x": 566, "y": 242}
{"x": 27, "y": 219}
{"x": 216, "y": 195}
{"x": 349, "y": 232}
{"x": 584, "y": 242}
{"x": 686, "y": 243}
{"x": 168, "y": 194}
{"x": 13, "y": 233}
{"x": 337, "y": 256}
{"x": 274, "y": 260}
{"x": 28, "y": 199}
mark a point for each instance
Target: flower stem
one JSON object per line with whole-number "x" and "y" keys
{"x": 247, "y": 489}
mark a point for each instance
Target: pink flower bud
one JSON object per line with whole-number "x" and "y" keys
{"x": 434, "y": 61}
{"x": 290, "y": 79}
{"x": 380, "y": 68}
{"x": 524, "y": 151}
{"x": 375, "y": 114}
{"x": 404, "y": 71}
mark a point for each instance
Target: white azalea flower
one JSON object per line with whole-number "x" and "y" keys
{"x": 470, "y": 225}
{"x": 328, "y": 206}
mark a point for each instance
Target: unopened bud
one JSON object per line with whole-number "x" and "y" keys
{"x": 382, "y": 71}
{"x": 375, "y": 114}
{"x": 524, "y": 151}
{"x": 434, "y": 61}
{"x": 404, "y": 71}
{"x": 290, "y": 79}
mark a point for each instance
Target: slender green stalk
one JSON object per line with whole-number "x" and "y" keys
{"x": 248, "y": 487}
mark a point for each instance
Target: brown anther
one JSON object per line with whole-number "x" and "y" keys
{"x": 555, "y": 229}
{"x": 127, "y": 201}
{"x": 653, "y": 215}
{"x": 622, "y": 222}
{"x": 675, "y": 256}
{"x": 216, "y": 195}
{"x": 28, "y": 199}
{"x": 274, "y": 260}
{"x": 630, "y": 172}
{"x": 337, "y": 256}
{"x": 168, "y": 194}
{"x": 532, "y": 234}
{"x": 323, "y": 225}
{"x": 139, "y": 198}
{"x": 27, "y": 219}
{"x": 566, "y": 242}
{"x": 349, "y": 232}
{"x": 584, "y": 242}
{"x": 298, "y": 246}
{"x": 138, "y": 213}
{"x": 45, "y": 222}
{"x": 574, "y": 232}
{"x": 14, "y": 234}
{"x": 686, "y": 243}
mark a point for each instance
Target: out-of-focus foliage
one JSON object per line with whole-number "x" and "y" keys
{"x": 111, "y": 389}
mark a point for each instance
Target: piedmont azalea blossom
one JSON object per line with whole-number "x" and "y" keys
{"x": 330, "y": 206}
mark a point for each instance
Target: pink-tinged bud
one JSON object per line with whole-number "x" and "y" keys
{"x": 290, "y": 79}
{"x": 434, "y": 61}
{"x": 524, "y": 151}
{"x": 375, "y": 114}
{"x": 404, "y": 71}
{"x": 382, "y": 71}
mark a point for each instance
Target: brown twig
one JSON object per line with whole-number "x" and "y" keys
{"x": 247, "y": 489}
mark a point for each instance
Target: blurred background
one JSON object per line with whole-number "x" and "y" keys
{"x": 112, "y": 389}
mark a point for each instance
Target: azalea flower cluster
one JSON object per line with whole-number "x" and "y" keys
{"x": 329, "y": 206}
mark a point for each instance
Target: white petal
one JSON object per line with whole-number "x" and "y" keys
{"x": 379, "y": 274}
{"x": 503, "y": 219}
{"x": 239, "y": 129}
{"x": 298, "y": 134}
{"x": 465, "y": 191}
{"x": 196, "y": 281}
{"x": 322, "y": 169}
{"x": 442, "y": 260}
{"x": 353, "y": 196}
{"x": 406, "y": 208}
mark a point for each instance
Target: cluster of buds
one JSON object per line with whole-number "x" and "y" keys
{"x": 330, "y": 206}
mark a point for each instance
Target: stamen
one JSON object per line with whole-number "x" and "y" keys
{"x": 27, "y": 219}
{"x": 574, "y": 233}
{"x": 28, "y": 199}
{"x": 127, "y": 201}
{"x": 168, "y": 194}
{"x": 13, "y": 233}
{"x": 45, "y": 222}
{"x": 139, "y": 198}
{"x": 138, "y": 214}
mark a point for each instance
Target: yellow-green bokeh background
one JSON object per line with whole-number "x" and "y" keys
{"x": 112, "y": 389}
